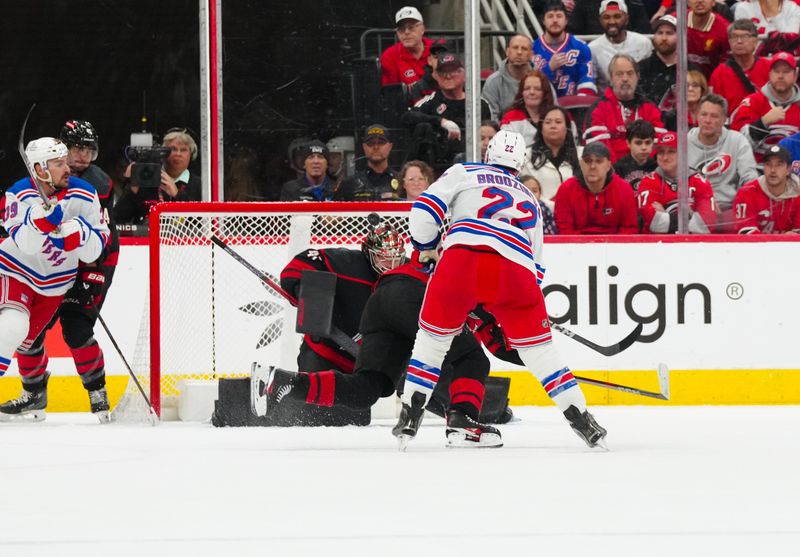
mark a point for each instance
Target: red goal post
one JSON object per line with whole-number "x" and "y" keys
{"x": 209, "y": 317}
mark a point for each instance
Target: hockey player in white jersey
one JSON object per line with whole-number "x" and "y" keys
{"x": 39, "y": 262}
{"x": 491, "y": 255}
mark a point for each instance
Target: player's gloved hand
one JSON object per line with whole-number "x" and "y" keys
{"x": 89, "y": 286}
{"x": 46, "y": 220}
{"x": 71, "y": 235}
{"x": 425, "y": 260}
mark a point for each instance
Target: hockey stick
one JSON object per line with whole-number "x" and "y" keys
{"x": 154, "y": 419}
{"x": 336, "y": 335}
{"x": 604, "y": 350}
{"x": 22, "y": 154}
{"x": 663, "y": 385}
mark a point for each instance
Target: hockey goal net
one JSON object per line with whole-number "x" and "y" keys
{"x": 210, "y": 317}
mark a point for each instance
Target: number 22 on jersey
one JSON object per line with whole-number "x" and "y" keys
{"x": 503, "y": 200}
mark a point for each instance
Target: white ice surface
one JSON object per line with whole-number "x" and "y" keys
{"x": 711, "y": 481}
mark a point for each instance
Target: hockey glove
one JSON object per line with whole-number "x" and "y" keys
{"x": 89, "y": 287}
{"x": 46, "y": 220}
{"x": 71, "y": 235}
{"x": 425, "y": 260}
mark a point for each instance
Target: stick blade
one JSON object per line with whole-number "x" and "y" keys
{"x": 663, "y": 380}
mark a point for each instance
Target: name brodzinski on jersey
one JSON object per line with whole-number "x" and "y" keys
{"x": 694, "y": 292}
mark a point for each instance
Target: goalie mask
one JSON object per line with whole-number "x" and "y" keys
{"x": 384, "y": 248}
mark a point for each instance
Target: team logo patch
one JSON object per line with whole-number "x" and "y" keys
{"x": 716, "y": 166}
{"x": 441, "y": 108}
{"x": 409, "y": 73}
{"x": 607, "y": 211}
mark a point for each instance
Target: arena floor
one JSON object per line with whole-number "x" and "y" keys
{"x": 677, "y": 481}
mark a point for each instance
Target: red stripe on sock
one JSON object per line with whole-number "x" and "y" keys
{"x": 313, "y": 388}
{"x": 32, "y": 366}
{"x": 327, "y": 387}
{"x": 88, "y": 358}
{"x": 469, "y": 391}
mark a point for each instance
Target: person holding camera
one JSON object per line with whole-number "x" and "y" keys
{"x": 174, "y": 181}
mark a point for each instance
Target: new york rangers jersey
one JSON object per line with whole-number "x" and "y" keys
{"x": 30, "y": 256}
{"x": 576, "y": 76}
{"x": 488, "y": 207}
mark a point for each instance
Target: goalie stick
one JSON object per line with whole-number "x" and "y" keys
{"x": 22, "y": 154}
{"x": 626, "y": 342}
{"x": 663, "y": 385}
{"x": 336, "y": 335}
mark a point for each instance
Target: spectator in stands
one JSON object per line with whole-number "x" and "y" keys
{"x": 553, "y": 157}
{"x": 658, "y": 71}
{"x": 546, "y": 209}
{"x": 314, "y": 184}
{"x": 616, "y": 39}
{"x": 769, "y": 15}
{"x": 658, "y": 194}
{"x": 376, "y": 182}
{"x": 772, "y": 113}
{"x": 696, "y": 89}
{"x": 770, "y": 204}
{"x": 640, "y": 137}
{"x": 488, "y": 130}
{"x": 792, "y": 145}
{"x": 427, "y": 83}
{"x": 596, "y": 201}
{"x": 501, "y": 87}
{"x": 415, "y": 177}
{"x": 404, "y": 62}
{"x": 437, "y": 121}
{"x": 743, "y": 73}
{"x": 608, "y": 120}
{"x": 565, "y": 60}
{"x": 707, "y": 36}
{"x": 534, "y": 96}
{"x": 668, "y": 6}
{"x": 177, "y": 182}
{"x": 583, "y": 20}
{"x": 722, "y": 156}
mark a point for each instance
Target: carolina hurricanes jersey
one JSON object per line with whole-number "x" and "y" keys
{"x": 574, "y": 76}
{"x": 488, "y": 207}
{"x": 654, "y": 188}
{"x": 29, "y": 256}
{"x": 755, "y": 210}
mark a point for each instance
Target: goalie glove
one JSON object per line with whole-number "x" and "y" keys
{"x": 425, "y": 260}
{"x": 89, "y": 286}
{"x": 46, "y": 220}
{"x": 70, "y": 236}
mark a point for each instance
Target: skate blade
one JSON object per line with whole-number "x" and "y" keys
{"x": 31, "y": 416}
{"x": 459, "y": 440}
{"x": 402, "y": 442}
{"x": 104, "y": 416}
{"x": 601, "y": 445}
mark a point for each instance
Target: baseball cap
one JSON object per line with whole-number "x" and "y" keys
{"x": 315, "y": 147}
{"x": 407, "y": 12}
{"x": 448, "y": 60}
{"x": 780, "y": 152}
{"x": 441, "y": 46}
{"x": 668, "y": 19}
{"x": 376, "y": 131}
{"x": 596, "y": 148}
{"x": 667, "y": 139}
{"x": 783, "y": 57}
{"x": 618, "y": 5}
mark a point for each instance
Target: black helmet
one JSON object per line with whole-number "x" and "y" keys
{"x": 79, "y": 133}
{"x": 383, "y": 246}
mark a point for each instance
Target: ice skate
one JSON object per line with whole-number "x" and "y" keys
{"x": 586, "y": 427}
{"x": 409, "y": 421}
{"x": 268, "y": 387}
{"x": 464, "y": 432}
{"x": 98, "y": 399}
{"x": 29, "y": 407}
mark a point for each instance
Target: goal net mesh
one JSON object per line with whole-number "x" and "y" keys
{"x": 209, "y": 316}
